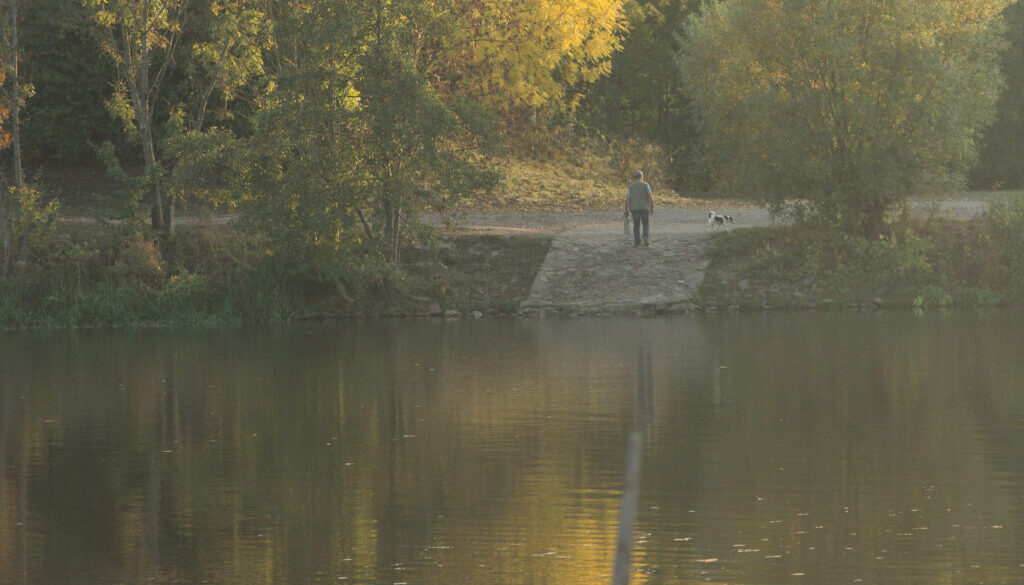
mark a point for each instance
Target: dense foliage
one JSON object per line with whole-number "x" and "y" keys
{"x": 924, "y": 262}
{"x": 642, "y": 97}
{"x": 847, "y": 106}
{"x": 1001, "y": 165}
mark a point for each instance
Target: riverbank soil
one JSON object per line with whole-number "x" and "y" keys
{"x": 468, "y": 273}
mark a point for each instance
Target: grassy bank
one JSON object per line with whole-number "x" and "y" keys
{"x": 935, "y": 262}
{"x": 91, "y": 274}
{"x": 97, "y": 275}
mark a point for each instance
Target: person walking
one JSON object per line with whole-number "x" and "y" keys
{"x": 640, "y": 203}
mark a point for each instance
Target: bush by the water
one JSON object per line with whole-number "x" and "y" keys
{"x": 93, "y": 276}
{"x": 918, "y": 262}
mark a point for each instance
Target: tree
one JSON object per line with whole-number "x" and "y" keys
{"x": 1002, "y": 149}
{"x": 517, "y": 54}
{"x": 140, "y": 37}
{"x": 11, "y": 137}
{"x": 5, "y": 140}
{"x": 71, "y": 79}
{"x": 15, "y": 94}
{"x": 642, "y": 95}
{"x": 847, "y": 106}
{"x": 229, "y": 53}
{"x": 415, "y": 140}
{"x": 350, "y": 142}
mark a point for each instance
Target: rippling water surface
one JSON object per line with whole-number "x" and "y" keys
{"x": 810, "y": 448}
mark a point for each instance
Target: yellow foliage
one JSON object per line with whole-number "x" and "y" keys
{"x": 514, "y": 53}
{"x": 573, "y": 177}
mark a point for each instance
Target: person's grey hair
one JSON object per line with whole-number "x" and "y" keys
{"x": 638, "y": 174}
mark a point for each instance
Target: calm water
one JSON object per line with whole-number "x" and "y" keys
{"x": 815, "y": 448}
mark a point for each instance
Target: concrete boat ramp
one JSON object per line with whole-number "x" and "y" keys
{"x": 594, "y": 269}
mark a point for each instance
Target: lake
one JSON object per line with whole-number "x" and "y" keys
{"x": 807, "y": 448}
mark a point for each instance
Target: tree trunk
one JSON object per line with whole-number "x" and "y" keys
{"x": 144, "y": 115}
{"x": 168, "y": 209}
{"x": 149, "y": 168}
{"x": 19, "y": 178}
{"x": 5, "y": 237}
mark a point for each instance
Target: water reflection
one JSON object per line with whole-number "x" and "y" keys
{"x": 644, "y": 407}
{"x": 643, "y": 411}
{"x": 817, "y": 448}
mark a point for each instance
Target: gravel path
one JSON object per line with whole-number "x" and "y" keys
{"x": 593, "y": 268}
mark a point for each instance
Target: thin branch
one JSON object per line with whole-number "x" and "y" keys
{"x": 366, "y": 226}
{"x": 175, "y": 37}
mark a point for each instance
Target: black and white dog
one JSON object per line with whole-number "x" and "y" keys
{"x": 717, "y": 221}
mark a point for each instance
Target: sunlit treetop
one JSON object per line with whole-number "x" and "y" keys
{"x": 525, "y": 52}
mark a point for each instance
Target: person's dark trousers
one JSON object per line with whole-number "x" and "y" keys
{"x": 640, "y": 215}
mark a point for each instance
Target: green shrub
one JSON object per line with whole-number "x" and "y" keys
{"x": 28, "y": 225}
{"x": 933, "y": 296}
{"x": 924, "y": 263}
{"x": 999, "y": 247}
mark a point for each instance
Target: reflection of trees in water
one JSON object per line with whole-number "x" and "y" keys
{"x": 643, "y": 416}
{"x": 643, "y": 409}
{"x": 18, "y": 554}
{"x": 220, "y": 465}
{"x": 292, "y": 452}
{"x": 14, "y": 521}
{"x": 855, "y": 424}
{"x": 6, "y": 535}
{"x": 241, "y": 457}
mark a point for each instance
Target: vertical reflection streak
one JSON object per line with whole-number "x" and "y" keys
{"x": 643, "y": 414}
